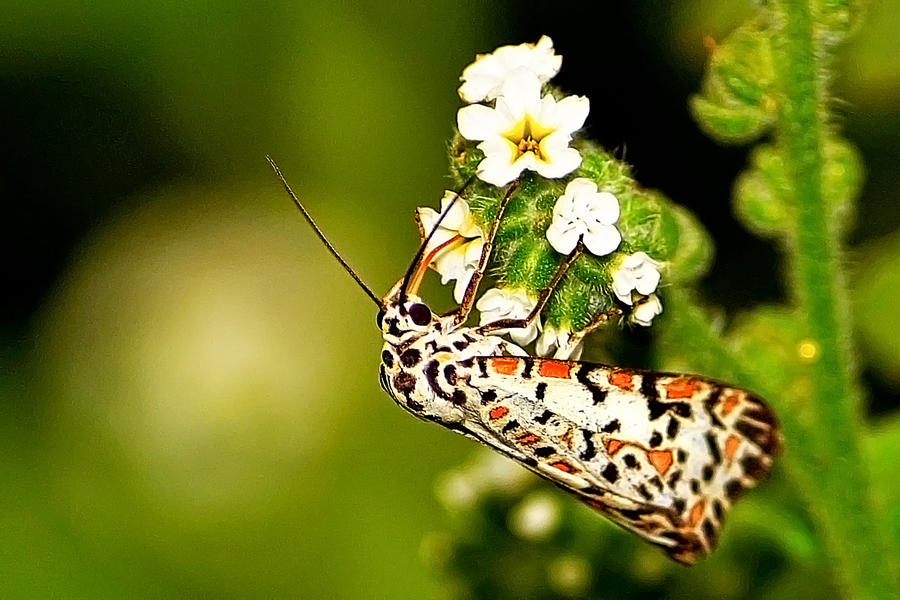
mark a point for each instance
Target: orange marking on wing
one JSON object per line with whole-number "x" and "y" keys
{"x": 622, "y": 379}
{"x": 661, "y": 460}
{"x": 731, "y": 446}
{"x": 563, "y": 466}
{"x": 554, "y": 368}
{"x": 505, "y": 365}
{"x": 528, "y": 439}
{"x": 729, "y": 403}
{"x": 681, "y": 388}
{"x": 696, "y": 513}
{"x": 499, "y": 412}
{"x": 613, "y": 445}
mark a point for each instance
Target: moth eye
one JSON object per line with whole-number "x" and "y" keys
{"x": 420, "y": 314}
{"x": 379, "y": 318}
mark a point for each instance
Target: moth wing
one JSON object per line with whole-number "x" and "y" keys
{"x": 663, "y": 455}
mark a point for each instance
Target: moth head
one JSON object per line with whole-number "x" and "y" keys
{"x": 404, "y": 315}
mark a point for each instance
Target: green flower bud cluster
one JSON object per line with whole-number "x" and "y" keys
{"x": 523, "y": 258}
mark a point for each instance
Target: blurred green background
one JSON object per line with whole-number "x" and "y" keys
{"x": 190, "y": 405}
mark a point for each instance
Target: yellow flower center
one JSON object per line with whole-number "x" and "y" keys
{"x": 527, "y": 136}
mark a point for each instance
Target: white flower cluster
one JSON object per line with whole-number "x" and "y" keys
{"x": 520, "y": 129}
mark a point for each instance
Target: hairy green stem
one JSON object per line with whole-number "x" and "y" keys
{"x": 821, "y": 414}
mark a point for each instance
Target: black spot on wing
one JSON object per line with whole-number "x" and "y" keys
{"x": 387, "y": 358}
{"x": 590, "y": 450}
{"x": 713, "y": 443}
{"x": 543, "y": 417}
{"x": 630, "y": 461}
{"x": 544, "y": 451}
{"x": 642, "y": 490}
{"x": 528, "y": 363}
{"x": 709, "y": 531}
{"x": 648, "y": 387}
{"x": 611, "y": 427}
{"x": 655, "y": 439}
{"x": 763, "y": 437}
{"x": 510, "y": 425}
{"x": 482, "y": 366}
{"x": 488, "y": 396}
{"x": 610, "y": 473}
{"x": 754, "y": 468}
{"x": 672, "y": 428}
{"x": 674, "y": 478}
{"x": 598, "y": 394}
{"x": 718, "y": 510}
{"x": 540, "y": 390}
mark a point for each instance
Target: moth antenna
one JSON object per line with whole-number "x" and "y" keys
{"x": 417, "y": 259}
{"x": 321, "y": 235}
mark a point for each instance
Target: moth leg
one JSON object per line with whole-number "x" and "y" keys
{"x": 541, "y": 301}
{"x": 598, "y": 321}
{"x": 465, "y": 307}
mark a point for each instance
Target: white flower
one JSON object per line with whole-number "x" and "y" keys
{"x": 637, "y": 273}
{"x": 558, "y": 342}
{"x": 458, "y": 242}
{"x": 484, "y": 78}
{"x": 498, "y": 304}
{"x": 584, "y": 213}
{"x": 524, "y": 131}
{"x": 645, "y": 309}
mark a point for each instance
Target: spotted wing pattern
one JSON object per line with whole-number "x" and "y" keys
{"x": 663, "y": 455}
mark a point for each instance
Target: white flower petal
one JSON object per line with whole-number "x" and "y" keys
{"x": 563, "y": 238}
{"x": 645, "y": 311}
{"x": 521, "y": 93}
{"x": 647, "y": 282}
{"x": 497, "y": 170}
{"x": 498, "y": 304}
{"x": 558, "y": 343}
{"x": 570, "y": 113}
{"x": 523, "y": 130}
{"x": 458, "y": 260}
{"x": 562, "y": 159}
{"x": 580, "y": 186}
{"x": 602, "y": 239}
{"x": 484, "y": 78}
{"x": 623, "y": 283}
{"x": 546, "y": 343}
{"x": 636, "y": 273}
{"x": 524, "y": 336}
{"x": 479, "y": 122}
{"x": 462, "y": 284}
{"x": 490, "y": 301}
{"x": 604, "y": 207}
{"x": 583, "y": 212}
